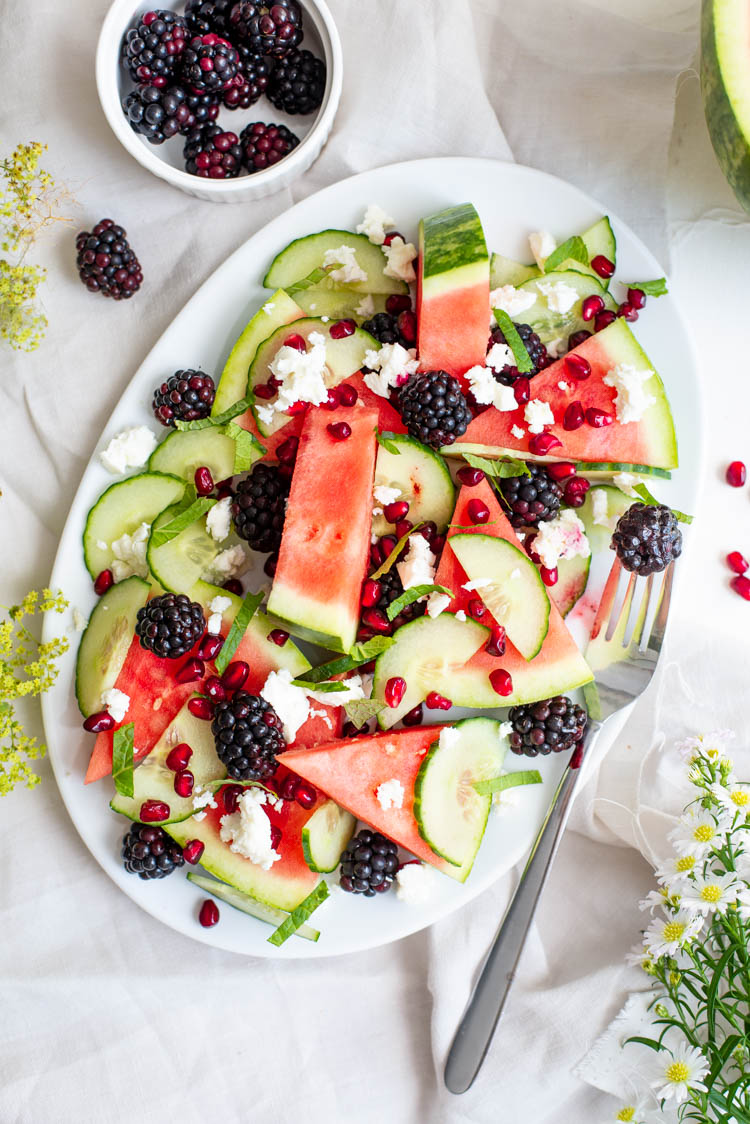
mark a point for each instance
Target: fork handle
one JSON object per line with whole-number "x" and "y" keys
{"x": 475, "y": 1031}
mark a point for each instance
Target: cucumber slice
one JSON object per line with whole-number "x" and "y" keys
{"x": 550, "y": 325}
{"x": 184, "y": 451}
{"x": 105, "y": 643}
{"x": 325, "y": 835}
{"x": 572, "y": 576}
{"x": 339, "y": 305}
{"x": 249, "y": 905}
{"x": 121, "y": 509}
{"x": 605, "y": 470}
{"x": 451, "y": 815}
{"x": 600, "y": 239}
{"x": 506, "y": 271}
{"x": 179, "y": 563}
{"x": 423, "y": 479}
{"x": 303, "y": 256}
{"x": 279, "y": 309}
{"x": 516, "y": 595}
{"x": 617, "y": 503}
{"x": 152, "y": 780}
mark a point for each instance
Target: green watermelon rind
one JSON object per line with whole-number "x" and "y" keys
{"x": 720, "y": 74}
{"x": 453, "y": 240}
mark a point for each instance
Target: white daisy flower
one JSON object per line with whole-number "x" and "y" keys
{"x": 677, "y": 1070}
{"x": 710, "y": 746}
{"x": 699, "y": 830}
{"x": 711, "y": 893}
{"x": 634, "y": 1113}
{"x": 732, "y": 797}
{"x": 675, "y": 871}
{"x": 668, "y": 934}
{"x": 655, "y": 899}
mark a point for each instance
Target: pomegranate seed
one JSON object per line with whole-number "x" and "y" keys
{"x": 549, "y": 576}
{"x": 289, "y": 787}
{"x": 370, "y": 593}
{"x": 603, "y": 266}
{"x": 395, "y": 689}
{"x": 562, "y": 470}
{"x": 388, "y": 545}
{"x": 577, "y": 338}
{"x": 177, "y": 758}
{"x": 232, "y": 585}
{"x": 305, "y": 795}
{"x": 332, "y": 401}
{"x": 470, "y": 476}
{"x": 339, "y": 431}
{"x": 208, "y": 915}
{"x": 297, "y": 408}
{"x": 741, "y": 585}
{"x": 341, "y": 329}
{"x": 299, "y": 343}
{"x": 413, "y": 717}
{"x": 210, "y": 646}
{"x": 522, "y": 391}
{"x": 397, "y": 303}
{"x": 191, "y": 670}
{"x": 403, "y": 527}
{"x": 437, "y": 544}
{"x": 235, "y": 675}
{"x": 214, "y": 688}
{"x": 626, "y": 309}
{"x": 348, "y": 395}
{"x": 153, "y": 811}
{"x": 501, "y": 682}
{"x": 407, "y": 326}
{"x": 183, "y": 783}
{"x": 603, "y": 320}
{"x": 495, "y": 646}
{"x": 389, "y": 238}
{"x": 477, "y": 609}
{"x": 637, "y": 298}
{"x": 574, "y": 492}
{"x": 263, "y": 390}
{"x": 201, "y": 707}
{"x": 578, "y": 367}
{"x": 736, "y": 474}
{"x": 591, "y": 306}
{"x": 193, "y": 850}
{"x": 287, "y": 451}
{"x": 103, "y": 582}
{"x": 98, "y": 723}
{"x": 428, "y": 530}
{"x": 543, "y": 443}
{"x": 376, "y": 555}
{"x": 270, "y": 564}
{"x": 224, "y": 488}
{"x": 477, "y": 511}
{"x": 598, "y": 418}
{"x": 434, "y": 701}
{"x": 275, "y": 836}
{"x": 395, "y": 511}
{"x": 204, "y": 481}
{"x": 230, "y": 797}
{"x": 577, "y": 756}
{"x": 377, "y": 621}
{"x": 349, "y": 730}
{"x": 737, "y": 562}
{"x": 574, "y": 417}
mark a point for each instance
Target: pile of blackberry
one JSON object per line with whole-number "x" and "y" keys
{"x": 647, "y": 538}
{"x": 149, "y": 852}
{"x": 531, "y": 499}
{"x": 433, "y": 408}
{"x": 106, "y": 263}
{"x": 550, "y": 726}
{"x": 369, "y": 864}
{"x": 247, "y": 733}
{"x": 170, "y": 625}
{"x": 536, "y": 350}
{"x": 259, "y": 507}
{"x": 185, "y": 396}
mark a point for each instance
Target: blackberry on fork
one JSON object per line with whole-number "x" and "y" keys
{"x": 647, "y": 538}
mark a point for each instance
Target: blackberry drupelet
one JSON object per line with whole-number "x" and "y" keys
{"x": 537, "y": 354}
{"x": 149, "y": 852}
{"x": 205, "y": 16}
{"x": 250, "y": 82}
{"x": 384, "y": 327}
{"x": 169, "y": 625}
{"x": 392, "y": 587}
{"x": 647, "y": 538}
{"x": 153, "y": 47}
{"x": 369, "y": 864}
{"x": 433, "y": 408}
{"x": 550, "y": 726}
{"x": 264, "y": 145}
{"x": 106, "y": 263}
{"x": 158, "y": 114}
{"x": 203, "y": 107}
{"x": 298, "y": 83}
{"x": 531, "y": 499}
{"x": 259, "y": 507}
{"x": 209, "y": 63}
{"x": 267, "y": 27}
{"x": 185, "y": 396}
{"x": 213, "y": 153}
{"x": 247, "y": 732}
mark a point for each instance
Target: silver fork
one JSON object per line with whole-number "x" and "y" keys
{"x": 623, "y": 655}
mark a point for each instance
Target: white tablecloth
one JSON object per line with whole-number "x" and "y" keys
{"x": 108, "y": 1015}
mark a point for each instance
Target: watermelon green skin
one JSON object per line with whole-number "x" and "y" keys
{"x": 650, "y": 441}
{"x": 326, "y": 540}
{"x": 453, "y": 291}
{"x": 725, "y": 85}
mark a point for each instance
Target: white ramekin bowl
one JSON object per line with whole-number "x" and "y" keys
{"x": 165, "y": 160}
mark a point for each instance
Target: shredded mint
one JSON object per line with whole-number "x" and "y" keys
{"x": 359, "y": 711}
{"x": 514, "y": 341}
{"x": 652, "y": 501}
{"x": 247, "y": 447}
{"x": 472, "y": 526}
{"x": 386, "y": 440}
{"x": 572, "y": 249}
{"x": 181, "y": 522}
{"x": 394, "y": 554}
{"x": 299, "y": 916}
{"x": 122, "y": 760}
{"x": 359, "y": 654}
{"x": 509, "y": 780}
{"x": 220, "y": 419}
{"x": 310, "y": 281}
{"x": 326, "y": 687}
{"x": 414, "y": 593}
{"x": 237, "y": 631}
{"x": 657, "y": 288}
{"x": 501, "y": 469}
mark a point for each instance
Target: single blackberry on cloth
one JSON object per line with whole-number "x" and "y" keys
{"x": 246, "y": 741}
{"x": 158, "y": 114}
{"x": 169, "y": 625}
{"x": 106, "y": 263}
{"x": 647, "y": 538}
{"x": 537, "y": 352}
{"x": 259, "y": 507}
{"x": 209, "y": 63}
{"x": 531, "y": 499}
{"x": 185, "y": 396}
{"x": 298, "y": 83}
{"x": 550, "y": 726}
{"x": 433, "y": 408}
{"x": 154, "y": 45}
{"x": 369, "y": 864}
{"x": 213, "y": 153}
{"x": 250, "y": 82}
{"x": 264, "y": 145}
{"x": 268, "y": 28}
{"x": 205, "y": 16}
{"x": 149, "y": 852}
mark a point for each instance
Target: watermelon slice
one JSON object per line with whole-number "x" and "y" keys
{"x": 650, "y": 441}
{"x": 453, "y": 291}
{"x": 725, "y": 85}
{"x": 326, "y": 540}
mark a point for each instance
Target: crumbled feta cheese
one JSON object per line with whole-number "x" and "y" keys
{"x": 557, "y": 347}
{"x": 213, "y": 624}
{"x": 415, "y": 883}
{"x": 505, "y": 730}
{"x": 400, "y": 256}
{"x": 325, "y": 319}
{"x": 384, "y": 494}
{"x": 517, "y": 432}
{"x": 366, "y": 306}
{"x": 202, "y": 798}
{"x": 631, "y": 399}
{"x": 355, "y": 689}
{"x": 316, "y": 713}
{"x": 390, "y": 794}
{"x": 130, "y": 554}
{"x": 541, "y": 244}
{"x": 374, "y": 224}
{"x": 217, "y": 607}
{"x": 488, "y": 391}
{"x": 388, "y": 366}
{"x": 626, "y": 481}
{"x": 537, "y": 415}
{"x": 560, "y": 297}
{"x": 265, "y": 413}
{"x": 290, "y": 703}
{"x": 449, "y": 735}
{"x": 418, "y": 567}
{"x": 248, "y": 830}
{"x": 301, "y": 375}
{"x": 461, "y": 616}
{"x": 599, "y": 505}
{"x": 376, "y": 511}
{"x": 129, "y": 449}
{"x": 499, "y": 356}
{"x": 116, "y": 703}
{"x": 79, "y": 621}
{"x": 478, "y": 583}
{"x": 219, "y": 519}
{"x": 437, "y": 603}
{"x": 230, "y": 563}
{"x": 563, "y": 537}
{"x": 512, "y": 300}
{"x": 268, "y": 307}
{"x": 564, "y": 386}
{"x": 347, "y": 269}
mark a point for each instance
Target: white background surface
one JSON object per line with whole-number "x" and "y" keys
{"x": 107, "y": 1015}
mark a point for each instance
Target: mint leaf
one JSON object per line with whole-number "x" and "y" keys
{"x": 386, "y": 440}
{"x": 122, "y": 760}
{"x": 359, "y": 711}
{"x": 652, "y": 501}
{"x": 220, "y": 419}
{"x": 657, "y": 288}
{"x": 572, "y": 249}
{"x": 509, "y": 780}
{"x": 325, "y": 687}
{"x": 514, "y": 341}
{"x": 181, "y": 522}
{"x": 394, "y": 554}
{"x": 299, "y": 916}
{"x": 247, "y": 447}
{"x": 472, "y": 526}
{"x": 501, "y": 469}
{"x": 359, "y": 654}
{"x": 237, "y": 631}
{"x": 409, "y": 596}
{"x": 311, "y": 280}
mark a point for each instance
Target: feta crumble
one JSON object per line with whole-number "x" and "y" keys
{"x": 130, "y": 554}
{"x": 626, "y": 481}
{"x": 301, "y": 375}
{"x": 559, "y": 296}
{"x": 461, "y": 616}
{"x": 511, "y": 300}
{"x": 537, "y": 415}
{"x": 384, "y": 494}
{"x": 541, "y": 244}
{"x": 488, "y": 391}
{"x": 342, "y": 265}
{"x": 315, "y": 712}
{"x": 400, "y": 257}
{"x": 366, "y": 306}
{"x": 387, "y": 366}
{"x": 499, "y": 356}
{"x": 599, "y": 506}
{"x": 219, "y": 519}
{"x": 217, "y": 608}
{"x": 130, "y": 448}
{"x": 564, "y": 386}
{"x": 418, "y": 567}
{"x": 116, "y": 703}
{"x": 290, "y": 703}
{"x": 563, "y": 537}
{"x": 505, "y": 730}
{"x": 437, "y": 603}
{"x": 390, "y": 794}
{"x": 230, "y": 563}
{"x": 517, "y": 432}
{"x": 202, "y": 798}
{"x": 631, "y": 398}
{"x": 248, "y": 830}
{"x": 374, "y": 224}
{"x": 415, "y": 883}
{"x": 449, "y": 735}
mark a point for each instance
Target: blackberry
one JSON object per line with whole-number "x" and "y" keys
{"x": 298, "y": 83}
{"x": 203, "y": 107}
{"x": 106, "y": 263}
{"x": 369, "y": 864}
{"x": 267, "y": 27}
{"x": 251, "y": 81}
{"x": 209, "y": 63}
{"x": 153, "y": 47}
{"x": 158, "y": 114}
{"x": 531, "y": 499}
{"x": 213, "y": 153}
{"x": 549, "y": 726}
{"x": 264, "y": 145}
{"x": 185, "y": 396}
{"x": 385, "y": 328}
{"x": 536, "y": 350}
{"x": 433, "y": 408}
{"x": 647, "y": 538}
{"x": 149, "y": 852}
{"x": 247, "y": 733}
{"x": 205, "y": 16}
{"x": 259, "y": 507}
{"x": 392, "y": 587}
{"x": 169, "y": 625}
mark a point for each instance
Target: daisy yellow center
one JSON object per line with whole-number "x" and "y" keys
{"x": 740, "y": 798}
{"x": 704, "y": 833}
{"x": 687, "y": 862}
{"x": 711, "y": 894}
{"x": 673, "y": 930}
{"x": 677, "y": 1072}
{"x": 627, "y": 1113}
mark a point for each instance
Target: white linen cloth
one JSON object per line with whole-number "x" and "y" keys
{"x": 108, "y": 1015}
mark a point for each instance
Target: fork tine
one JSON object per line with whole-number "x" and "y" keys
{"x": 617, "y": 625}
{"x": 608, "y": 597}
{"x": 656, "y": 637}
{"x": 640, "y": 620}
